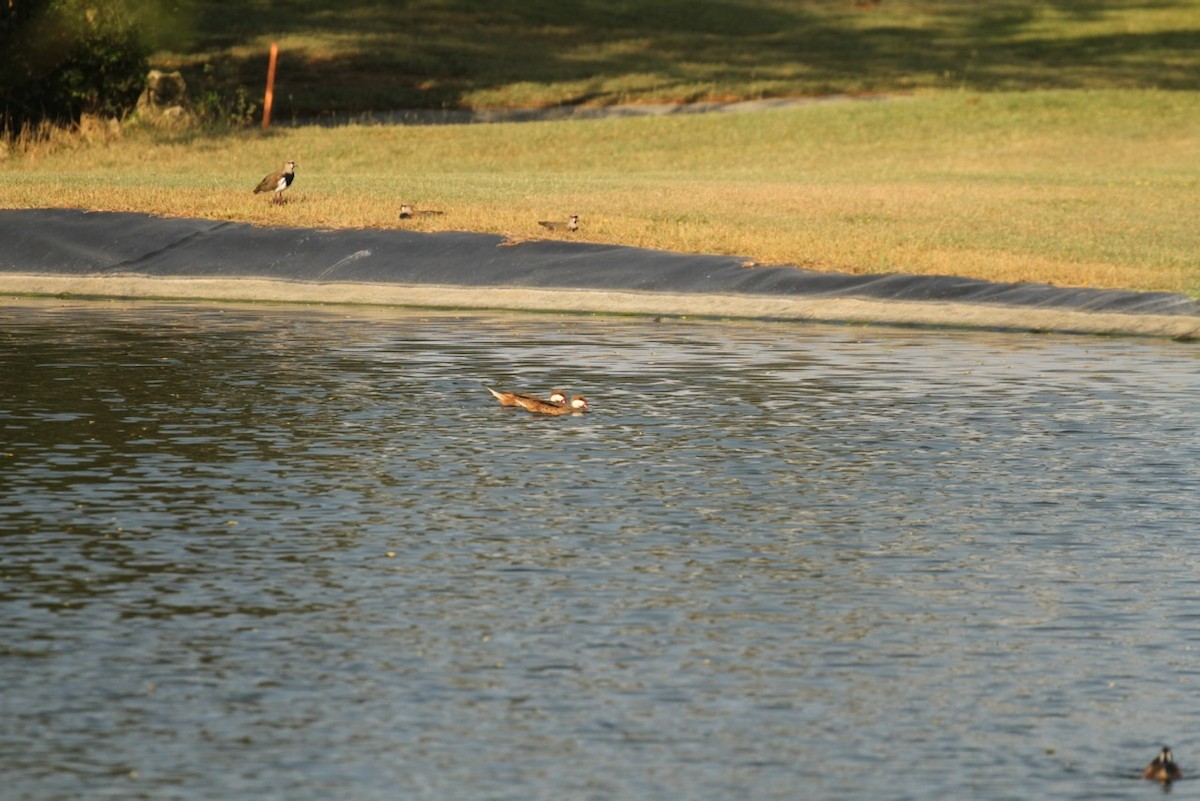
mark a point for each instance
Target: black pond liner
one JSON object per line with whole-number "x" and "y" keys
{"x": 70, "y": 242}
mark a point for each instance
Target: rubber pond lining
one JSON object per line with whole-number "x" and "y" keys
{"x": 119, "y": 254}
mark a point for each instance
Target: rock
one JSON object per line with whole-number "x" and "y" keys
{"x": 164, "y": 100}
{"x": 163, "y": 90}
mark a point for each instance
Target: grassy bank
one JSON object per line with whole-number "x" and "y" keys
{"x": 1074, "y": 188}
{"x": 1021, "y": 141}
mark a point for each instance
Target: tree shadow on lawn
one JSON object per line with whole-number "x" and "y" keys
{"x": 379, "y": 56}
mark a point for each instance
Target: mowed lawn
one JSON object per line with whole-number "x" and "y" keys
{"x": 1064, "y": 147}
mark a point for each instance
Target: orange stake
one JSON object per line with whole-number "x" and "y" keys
{"x": 270, "y": 86}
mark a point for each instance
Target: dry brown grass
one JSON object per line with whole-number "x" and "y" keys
{"x": 1089, "y": 189}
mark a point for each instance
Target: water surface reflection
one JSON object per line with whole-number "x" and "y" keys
{"x": 269, "y": 552}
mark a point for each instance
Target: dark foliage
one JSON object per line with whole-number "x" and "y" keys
{"x": 60, "y": 59}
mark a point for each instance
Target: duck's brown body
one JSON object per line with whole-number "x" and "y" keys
{"x": 556, "y": 404}
{"x": 522, "y": 399}
{"x": 1163, "y": 768}
{"x": 577, "y": 405}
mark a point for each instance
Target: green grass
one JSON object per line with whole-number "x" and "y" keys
{"x": 1052, "y": 142}
{"x": 357, "y": 55}
{"x": 1075, "y": 188}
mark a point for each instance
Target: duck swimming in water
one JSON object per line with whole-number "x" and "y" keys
{"x": 1163, "y": 768}
{"x": 523, "y": 398}
{"x": 577, "y": 405}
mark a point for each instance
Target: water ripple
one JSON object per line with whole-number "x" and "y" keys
{"x": 283, "y": 553}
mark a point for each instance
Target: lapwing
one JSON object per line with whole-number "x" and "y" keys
{"x": 572, "y": 224}
{"x": 407, "y": 212}
{"x": 278, "y": 181}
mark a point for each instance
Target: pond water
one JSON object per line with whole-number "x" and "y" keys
{"x": 293, "y": 553}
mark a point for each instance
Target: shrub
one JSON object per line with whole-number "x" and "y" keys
{"x": 67, "y": 58}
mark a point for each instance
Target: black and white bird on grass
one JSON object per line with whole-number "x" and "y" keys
{"x": 278, "y": 181}
{"x": 572, "y": 224}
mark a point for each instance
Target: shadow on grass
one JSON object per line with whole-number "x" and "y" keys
{"x": 362, "y": 56}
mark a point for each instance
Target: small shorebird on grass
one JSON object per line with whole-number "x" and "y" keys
{"x": 1163, "y": 768}
{"x": 523, "y": 398}
{"x": 278, "y": 181}
{"x": 407, "y": 212}
{"x": 572, "y": 224}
